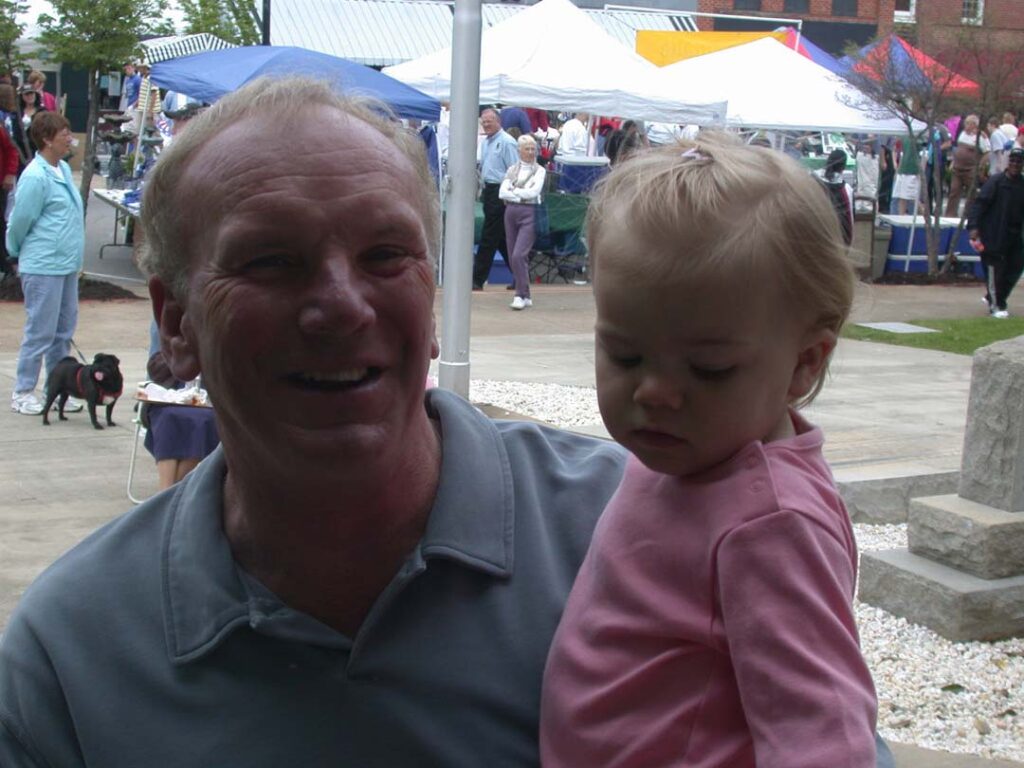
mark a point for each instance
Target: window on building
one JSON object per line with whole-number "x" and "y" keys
{"x": 747, "y": 5}
{"x": 906, "y": 11}
{"x": 974, "y": 11}
{"x": 796, "y": 6}
{"x": 844, "y": 7}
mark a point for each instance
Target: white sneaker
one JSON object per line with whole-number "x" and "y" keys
{"x": 26, "y": 403}
{"x": 1002, "y": 314}
{"x": 73, "y": 405}
{"x": 520, "y": 303}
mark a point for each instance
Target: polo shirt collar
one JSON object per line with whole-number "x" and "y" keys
{"x": 205, "y": 594}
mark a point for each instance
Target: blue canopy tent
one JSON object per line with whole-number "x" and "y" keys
{"x": 210, "y": 75}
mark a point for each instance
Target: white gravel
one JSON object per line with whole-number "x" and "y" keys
{"x": 958, "y": 697}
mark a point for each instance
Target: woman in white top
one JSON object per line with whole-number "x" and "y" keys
{"x": 521, "y": 191}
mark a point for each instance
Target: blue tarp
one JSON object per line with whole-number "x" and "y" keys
{"x": 210, "y": 75}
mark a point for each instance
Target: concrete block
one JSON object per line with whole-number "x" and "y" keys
{"x": 956, "y": 605}
{"x": 963, "y": 534}
{"x": 886, "y": 500}
{"x": 992, "y": 469}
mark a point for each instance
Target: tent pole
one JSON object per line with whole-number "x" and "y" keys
{"x": 453, "y": 370}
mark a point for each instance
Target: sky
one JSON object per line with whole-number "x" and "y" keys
{"x": 36, "y": 7}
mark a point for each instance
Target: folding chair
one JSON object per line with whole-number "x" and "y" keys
{"x": 557, "y": 254}
{"x": 139, "y": 419}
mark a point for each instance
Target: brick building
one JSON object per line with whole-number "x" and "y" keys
{"x": 941, "y": 24}
{"x": 831, "y": 24}
{"x": 933, "y": 25}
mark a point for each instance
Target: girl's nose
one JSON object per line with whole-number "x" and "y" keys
{"x": 659, "y": 390}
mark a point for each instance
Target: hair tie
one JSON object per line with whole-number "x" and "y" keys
{"x": 694, "y": 154}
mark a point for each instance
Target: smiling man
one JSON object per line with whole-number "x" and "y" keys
{"x": 362, "y": 574}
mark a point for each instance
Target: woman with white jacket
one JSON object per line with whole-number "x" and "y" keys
{"x": 521, "y": 191}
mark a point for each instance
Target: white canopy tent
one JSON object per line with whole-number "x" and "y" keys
{"x": 553, "y": 56}
{"x": 771, "y": 86}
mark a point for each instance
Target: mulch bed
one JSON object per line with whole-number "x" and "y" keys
{"x": 88, "y": 289}
{"x": 921, "y": 278}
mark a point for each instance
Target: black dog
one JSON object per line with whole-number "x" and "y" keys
{"x": 99, "y": 383}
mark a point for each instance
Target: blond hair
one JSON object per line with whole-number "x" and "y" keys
{"x": 715, "y": 208}
{"x": 164, "y": 252}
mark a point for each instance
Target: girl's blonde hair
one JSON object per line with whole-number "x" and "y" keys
{"x": 716, "y": 208}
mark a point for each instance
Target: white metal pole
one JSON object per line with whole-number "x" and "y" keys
{"x": 453, "y": 370}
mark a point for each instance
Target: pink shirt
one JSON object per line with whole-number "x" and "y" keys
{"x": 711, "y": 624}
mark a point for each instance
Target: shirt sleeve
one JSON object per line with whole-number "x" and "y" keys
{"x": 28, "y": 206}
{"x": 785, "y": 585}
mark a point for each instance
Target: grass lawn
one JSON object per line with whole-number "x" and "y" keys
{"x": 961, "y": 337}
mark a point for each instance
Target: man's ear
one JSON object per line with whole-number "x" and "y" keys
{"x": 178, "y": 343}
{"x": 435, "y": 347}
{"x": 815, "y": 349}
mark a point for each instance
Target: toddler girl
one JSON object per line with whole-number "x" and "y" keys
{"x": 711, "y": 622}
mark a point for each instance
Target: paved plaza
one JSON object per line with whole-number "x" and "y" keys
{"x": 887, "y": 411}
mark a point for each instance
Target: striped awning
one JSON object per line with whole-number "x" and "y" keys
{"x": 164, "y": 48}
{"x": 381, "y": 33}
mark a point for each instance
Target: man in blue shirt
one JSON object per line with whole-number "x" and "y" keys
{"x": 132, "y": 85}
{"x": 498, "y": 152}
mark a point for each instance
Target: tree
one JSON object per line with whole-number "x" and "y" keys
{"x": 11, "y": 58}
{"x": 233, "y": 20}
{"x": 921, "y": 91}
{"x": 98, "y": 37}
{"x": 999, "y": 74}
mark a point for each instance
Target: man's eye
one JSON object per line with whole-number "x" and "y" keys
{"x": 269, "y": 261}
{"x": 705, "y": 373}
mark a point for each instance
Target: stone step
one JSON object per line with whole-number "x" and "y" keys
{"x": 972, "y": 537}
{"x": 954, "y": 604}
{"x": 883, "y": 494}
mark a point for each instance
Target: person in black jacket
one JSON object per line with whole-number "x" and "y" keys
{"x": 995, "y": 224}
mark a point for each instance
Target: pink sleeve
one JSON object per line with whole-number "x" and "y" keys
{"x": 49, "y": 101}
{"x": 785, "y": 587}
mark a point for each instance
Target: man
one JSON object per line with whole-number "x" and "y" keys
{"x": 971, "y": 151}
{"x": 572, "y": 140}
{"x": 515, "y": 117}
{"x": 995, "y": 225}
{"x": 1000, "y": 143}
{"x": 362, "y": 574}
{"x": 938, "y": 145}
{"x": 660, "y": 134}
{"x": 132, "y": 85}
{"x": 1009, "y": 126}
{"x": 498, "y": 152}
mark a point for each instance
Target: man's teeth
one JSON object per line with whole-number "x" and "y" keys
{"x": 338, "y": 377}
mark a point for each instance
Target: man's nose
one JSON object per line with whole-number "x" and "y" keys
{"x": 336, "y": 299}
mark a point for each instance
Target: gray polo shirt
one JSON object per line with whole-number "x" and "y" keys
{"x": 147, "y": 646}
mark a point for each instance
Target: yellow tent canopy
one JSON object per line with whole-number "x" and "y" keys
{"x": 661, "y": 47}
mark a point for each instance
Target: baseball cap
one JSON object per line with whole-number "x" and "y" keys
{"x": 1017, "y": 153}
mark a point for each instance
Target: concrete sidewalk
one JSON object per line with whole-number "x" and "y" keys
{"x": 887, "y": 411}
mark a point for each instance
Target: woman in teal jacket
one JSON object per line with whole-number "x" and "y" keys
{"x": 46, "y": 239}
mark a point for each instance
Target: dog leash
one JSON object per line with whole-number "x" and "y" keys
{"x": 80, "y": 355}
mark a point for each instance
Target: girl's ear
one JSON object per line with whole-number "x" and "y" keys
{"x": 815, "y": 348}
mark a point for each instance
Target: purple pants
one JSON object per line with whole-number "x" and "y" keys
{"x": 519, "y": 235}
